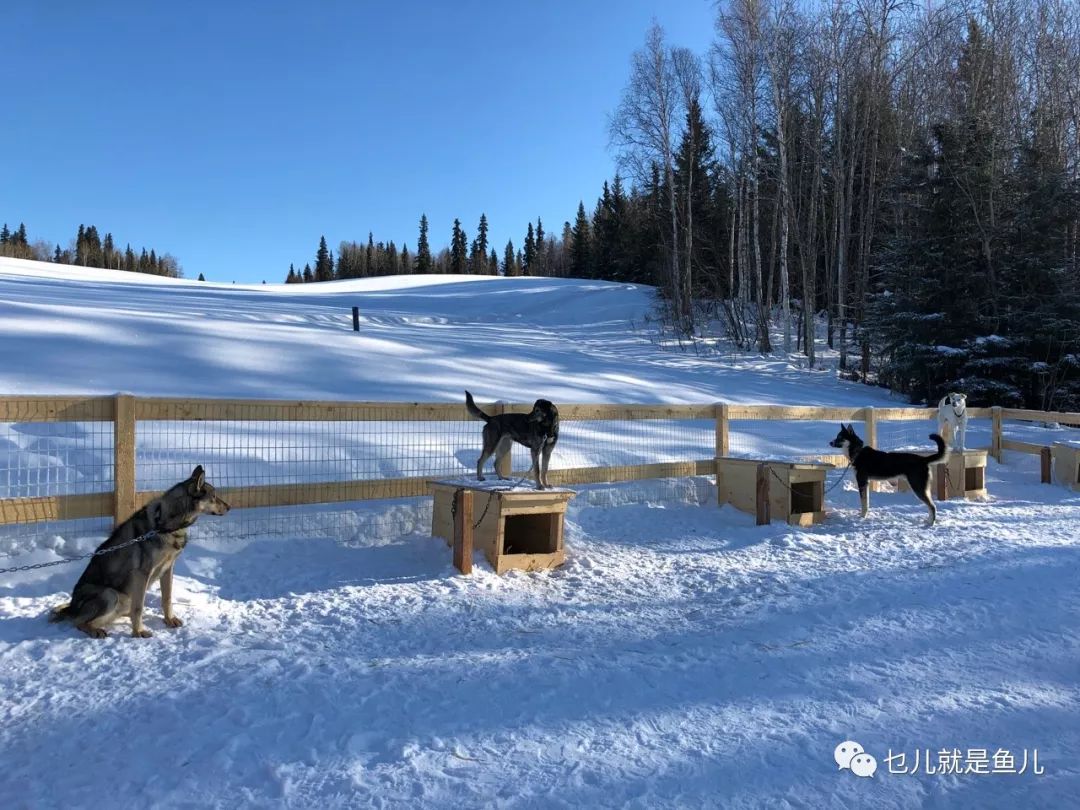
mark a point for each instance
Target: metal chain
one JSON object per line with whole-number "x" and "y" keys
{"x": 784, "y": 483}
{"x": 491, "y": 492}
{"x": 97, "y": 553}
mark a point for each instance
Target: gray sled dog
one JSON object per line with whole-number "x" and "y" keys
{"x": 538, "y": 430}
{"x": 115, "y": 584}
{"x": 879, "y": 465}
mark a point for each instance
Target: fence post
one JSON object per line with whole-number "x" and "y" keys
{"x": 1045, "y": 459}
{"x": 995, "y": 433}
{"x": 463, "y": 531}
{"x": 356, "y": 319}
{"x": 722, "y": 442}
{"x": 504, "y": 467}
{"x": 763, "y": 512}
{"x": 124, "y": 457}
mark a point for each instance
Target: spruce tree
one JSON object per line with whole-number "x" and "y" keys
{"x": 423, "y": 250}
{"x": 539, "y": 259}
{"x": 324, "y": 264}
{"x": 508, "y": 259}
{"x": 581, "y": 247}
{"x": 458, "y": 249}
{"x": 478, "y": 255}
{"x": 530, "y": 252}
{"x": 203, "y": 278}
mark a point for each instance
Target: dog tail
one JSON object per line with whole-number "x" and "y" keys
{"x": 941, "y": 451}
{"x": 60, "y": 612}
{"x": 473, "y": 410}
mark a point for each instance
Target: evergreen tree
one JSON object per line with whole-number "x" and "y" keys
{"x": 5, "y": 235}
{"x": 292, "y": 278}
{"x": 538, "y": 266}
{"x": 478, "y": 255}
{"x": 581, "y": 247}
{"x": 203, "y": 278}
{"x": 324, "y": 263}
{"x": 508, "y": 260}
{"x": 423, "y": 250}
{"x": 493, "y": 263}
{"x": 529, "y": 257}
{"x": 458, "y": 249}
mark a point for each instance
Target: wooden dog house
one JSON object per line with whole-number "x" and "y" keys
{"x": 1066, "y": 464}
{"x": 790, "y": 491}
{"x": 516, "y": 528}
{"x": 961, "y": 475}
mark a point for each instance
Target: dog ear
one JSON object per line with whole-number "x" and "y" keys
{"x": 198, "y": 478}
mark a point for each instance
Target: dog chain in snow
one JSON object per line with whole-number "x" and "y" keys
{"x": 97, "y": 553}
{"x": 491, "y": 494}
{"x": 839, "y": 480}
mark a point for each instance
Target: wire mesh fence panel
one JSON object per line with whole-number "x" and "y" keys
{"x": 793, "y": 440}
{"x": 56, "y": 472}
{"x": 360, "y": 470}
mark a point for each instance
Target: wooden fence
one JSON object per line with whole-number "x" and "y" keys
{"x": 124, "y": 412}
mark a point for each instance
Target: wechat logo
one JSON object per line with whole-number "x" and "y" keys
{"x": 849, "y": 754}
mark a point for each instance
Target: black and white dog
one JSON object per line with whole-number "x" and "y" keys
{"x": 878, "y": 465}
{"x": 952, "y": 411}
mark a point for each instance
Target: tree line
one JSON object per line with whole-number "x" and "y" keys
{"x": 88, "y": 249}
{"x": 910, "y": 173}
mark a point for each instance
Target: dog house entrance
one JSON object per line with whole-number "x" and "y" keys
{"x": 531, "y": 534}
{"x": 806, "y": 496}
{"x": 974, "y": 478}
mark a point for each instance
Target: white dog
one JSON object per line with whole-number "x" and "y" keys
{"x": 952, "y": 411}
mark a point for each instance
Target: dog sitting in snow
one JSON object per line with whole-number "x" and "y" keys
{"x": 538, "y": 430}
{"x": 878, "y": 465}
{"x": 114, "y": 583}
{"x": 952, "y": 418}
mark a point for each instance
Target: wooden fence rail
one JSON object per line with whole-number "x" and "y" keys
{"x": 125, "y": 412}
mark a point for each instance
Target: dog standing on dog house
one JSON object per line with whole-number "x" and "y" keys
{"x": 952, "y": 411}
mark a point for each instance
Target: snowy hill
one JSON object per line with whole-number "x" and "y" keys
{"x": 682, "y": 658}
{"x": 422, "y": 338}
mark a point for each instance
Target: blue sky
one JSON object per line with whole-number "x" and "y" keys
{"x": 233, "y": 135}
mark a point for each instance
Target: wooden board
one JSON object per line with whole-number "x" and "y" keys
{"x": 56, "y": 507}
{"x": 1066, "y": 463}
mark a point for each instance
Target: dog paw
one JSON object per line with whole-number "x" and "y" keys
{"x": 144, "y": 633}
{"x": 93, "y": 632}
{"x": 480, "y": 478}
{"x": 173, "y": 621}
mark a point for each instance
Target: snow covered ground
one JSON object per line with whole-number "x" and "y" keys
{"x": 681, "y": 658}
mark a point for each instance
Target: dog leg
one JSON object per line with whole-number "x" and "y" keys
{"x": 138, "y": 598}
{"x": 486, "y": 453}
{"x": 864, "y": 492}
{"x": 502, "y": 450}
{"x": 536, "y": 467}
{"x": 171, "y": 620}
{"x": 545, "y": 459}
{"x": 96, "y": 612}
{"x": 924, "y": 496}
{"x": 961, "y": 429}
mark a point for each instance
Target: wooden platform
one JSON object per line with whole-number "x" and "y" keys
{"x": 1066, "y": 464}
{"x": 789, "y": 491}
{"x": 516, "y": 528}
